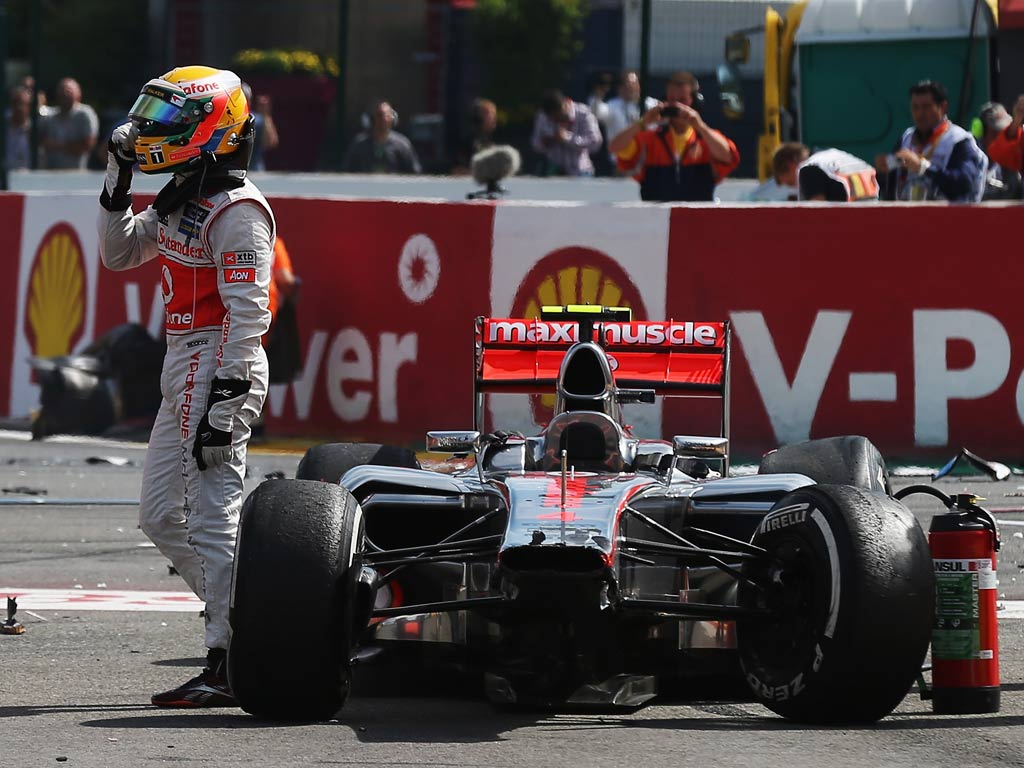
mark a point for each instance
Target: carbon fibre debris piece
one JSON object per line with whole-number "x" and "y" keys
{"x": 994, "y": 469}
{"x": 12, "y": 626}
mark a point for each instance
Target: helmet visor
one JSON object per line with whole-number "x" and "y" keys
{"x": 164, "y": 108}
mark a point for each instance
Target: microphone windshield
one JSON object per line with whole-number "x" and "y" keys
{"x": 489, "y": 166}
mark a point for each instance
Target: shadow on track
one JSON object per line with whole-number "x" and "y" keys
{"x": 58, "y": 709}
{"x": 197, "y": 661}
{"x": 429, "y": 721}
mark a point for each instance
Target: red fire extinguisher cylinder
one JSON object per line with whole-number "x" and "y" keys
{"x": 965, "y": 635}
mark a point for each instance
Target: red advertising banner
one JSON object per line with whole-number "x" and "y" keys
{"x": 11, "y": 214}
{"x": 897, "y": 322}
{"x": 382, "y": 287}
{"x": 894, "y": 322}
{"x": 389, "y": 292}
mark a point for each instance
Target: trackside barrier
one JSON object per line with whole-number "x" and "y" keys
{"x": 888, "y": 321}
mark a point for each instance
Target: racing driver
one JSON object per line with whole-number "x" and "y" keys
{"x": 213, "y": 233}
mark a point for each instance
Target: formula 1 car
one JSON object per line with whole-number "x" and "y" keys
{"x": 584, "y": 565}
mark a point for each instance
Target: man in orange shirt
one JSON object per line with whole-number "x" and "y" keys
{"x": 282, "y": 339}
{"x": 1007, "y": 148}
{"x": 683, "y": 159}
{"x": 282, "y": 279}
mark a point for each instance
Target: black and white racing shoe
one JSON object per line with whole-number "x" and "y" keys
{"x": 207, "y": 689}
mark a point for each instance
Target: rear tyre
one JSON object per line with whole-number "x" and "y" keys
{"x": 847, "y": 460}
{"x": 849, "y": 592}
{"x": 297, "y": 561}
{"x": 329, "y": 461}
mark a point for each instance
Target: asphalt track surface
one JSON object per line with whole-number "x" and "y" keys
{"x": 74, "y": 689}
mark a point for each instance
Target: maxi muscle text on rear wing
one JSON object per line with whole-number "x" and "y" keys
{"x": 673, "y": 358}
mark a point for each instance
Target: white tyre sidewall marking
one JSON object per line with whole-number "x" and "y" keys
{"x": 833, "y": 561}
{"x": 354, "y": 538}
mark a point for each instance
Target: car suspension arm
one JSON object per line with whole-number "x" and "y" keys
{"x": 452, "y": 538}
{"x": 688, "y": 547}
{"x": 657, "y": 548}
{"x": 372, "y": 558}
{"x": 460, "y": 556}
{"x": 441, "y": 607}
{"x": 691, "y": 610}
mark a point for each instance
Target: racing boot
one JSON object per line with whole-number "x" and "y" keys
{"x": 208, "y": 689}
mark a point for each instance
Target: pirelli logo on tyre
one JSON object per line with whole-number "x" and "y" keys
{"x": 55, "y": 310}
{"x": 784, "y": 517}
{"x": 574, "y": 275}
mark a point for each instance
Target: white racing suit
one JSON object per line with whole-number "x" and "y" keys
{"x": 215, "y": 260}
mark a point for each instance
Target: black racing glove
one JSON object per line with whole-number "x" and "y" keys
{"x": 117, "y": 186}
{"x": 212, "y": 446}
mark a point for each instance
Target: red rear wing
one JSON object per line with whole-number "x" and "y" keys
{"x": 670, "y": 357}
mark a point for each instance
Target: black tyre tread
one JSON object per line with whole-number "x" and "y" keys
{"x": 288, "y": 658}
{"x": 886, "y": 603}
{"x": 845, "y": 460}
{"x": 329, "y": 461}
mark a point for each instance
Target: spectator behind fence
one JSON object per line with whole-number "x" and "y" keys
{"x": 482, "y": 123}
{"x": 265, "y": 138}
{"x": 68, "y": 132}
{"x": 838, "y": 177}
{"x": 19, "y": 129}
{"x": 935, "y": 159}
{"x": 600, "y": 85}
{"x": 565, "y": 132}
{"x": 380, "y": 148}
{"x": 1007, "y": 146}
{"x": 782, "y": 186}
{"x": 683, "y": 158}
{"x": 625, "y": 108}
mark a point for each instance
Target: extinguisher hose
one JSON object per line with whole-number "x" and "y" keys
{"x": 910, "y": 490}
{"x": 964, "y": 502}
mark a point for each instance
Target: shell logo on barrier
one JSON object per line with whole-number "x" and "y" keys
{"x": 419, "y": 268}
{"x": 55, "y": 314}
{"x": 574, "y": 275}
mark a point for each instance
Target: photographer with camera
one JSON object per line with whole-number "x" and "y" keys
{"x": 565, "y": 132}
{"x": 682, "y": 159}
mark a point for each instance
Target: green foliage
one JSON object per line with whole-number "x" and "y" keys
{"x": 284, "y": 62}
{"x": 526, "y": 47}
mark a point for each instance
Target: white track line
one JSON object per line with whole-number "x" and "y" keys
{"x": 1010, "y": 609}
{"x": 17, "y": 434}
{"x": 102, "y": 600}
{"x": 185, "y": 602}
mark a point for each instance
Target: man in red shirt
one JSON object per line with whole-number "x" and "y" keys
{"x": 1007, "y": 148}
{"x": 683, "y": 159}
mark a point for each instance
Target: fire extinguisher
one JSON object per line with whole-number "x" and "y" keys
{"x": 965, "y": 636}
{"x": 965, "y": 633}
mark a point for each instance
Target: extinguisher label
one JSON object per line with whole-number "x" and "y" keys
{"x": 957, "y": 634}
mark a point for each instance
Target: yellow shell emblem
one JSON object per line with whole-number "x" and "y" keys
{"x": 56, "y": 293}
{"x": 574, "y": 275}
{"x": 575, "y": 285}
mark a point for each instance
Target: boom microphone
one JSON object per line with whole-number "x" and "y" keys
{"x": 489, "y": 167}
